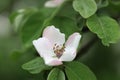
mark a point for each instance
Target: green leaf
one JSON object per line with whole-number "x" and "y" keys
{"x": 32, "y": 28}
{"x": 16, "y": 18}
{"x": 56, "y": 74}
{"x": 105, "y": 27}
{"x": 4, "y": 5}
{"x": 47, "y": 11}
{"x": 78, "y": 71}
{"x": 67, "y": 11}
{"x": 65, "y": 24}
{"x": 86, "y": 8}
{"x": 34, "y": 24}
{"x": 115, "y": 2}
{"x": 19, "y": 17}
{"x": 35, "y": 66}
{"x": 80, "y": 23}
{"x": 102, "y": 3}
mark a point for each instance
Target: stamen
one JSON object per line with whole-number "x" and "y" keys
{"x": 58, "y": 50}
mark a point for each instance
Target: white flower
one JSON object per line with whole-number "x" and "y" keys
{"x": 53, "y": 3}
{"x": 52, "y": 47}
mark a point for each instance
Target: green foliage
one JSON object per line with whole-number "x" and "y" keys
{"x": 61, "y": 22}
{"x": 73, "y": 16}
{"x": 18, "y": 18}
{"x": 30, "y": 23}
{"x": 32, "y": 28}
{"x": 86, "y": 8}
{"x": 56, "y": 74}
{"x": 4, "y": 4}
{"x": 115, "y": 2}
{"x": 78, "y": 71}
{"x": 67, "y": 11}
{"x": 27, "y": 22}
{"x": 80, "y": 22}
{"x": 105, "y": 27}
{"x": 102, "y": 3}
{"x": 35, "y": 66}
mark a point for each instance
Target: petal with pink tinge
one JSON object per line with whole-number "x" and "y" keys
{"x": 53, "y": 3}
{"x": 43, "y": 46}
{"x": 73, "y": 40}
{"x": 52, "y": 61}
{"x": 71, "y": 47}
{"x": 54, "y": 35}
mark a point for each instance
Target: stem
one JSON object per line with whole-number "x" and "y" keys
{"x": 85, "y": 29}
{"x": 86, "y": 47}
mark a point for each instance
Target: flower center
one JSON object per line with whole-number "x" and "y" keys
{"x": 58, "y": 50}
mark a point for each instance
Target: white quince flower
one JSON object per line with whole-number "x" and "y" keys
{"x": 52, "y": 47}
{"x": 53, "y": 3}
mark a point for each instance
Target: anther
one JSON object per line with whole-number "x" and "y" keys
{"x": 58, "y": 50}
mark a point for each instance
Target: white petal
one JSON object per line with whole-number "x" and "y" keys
{"x": 53, "y": 3}
{"x": 73, "y": 40}
{"x": 71, "y": 47}
{"x": 54, "y": 35}
{"x": 43, "y": 47}
{"x": 68, "y": 55}
{"x": 45, "y": 50}
{"x": 52, "y": 61}
{"x": 50, "y": 4}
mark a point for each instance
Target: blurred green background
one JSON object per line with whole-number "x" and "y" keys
{"x": 103, "y": 61}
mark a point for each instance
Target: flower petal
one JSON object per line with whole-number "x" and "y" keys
{"x": 45, "y": 50}
{"x": 73, "y": 40}
{"x": 68, "y": 55}
{"x": 43, "y": 47}
{"x": 53, "y": 3}
{"x": 71, "y": 47}
{"x": 52, "y": 61}
{"x": 54, "y": 35}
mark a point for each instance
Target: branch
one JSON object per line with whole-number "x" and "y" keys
{"x": 86, "y": 47}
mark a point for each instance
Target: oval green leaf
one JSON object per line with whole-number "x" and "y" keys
{"x": 34, "y": 24}
{"x": 32, "y": 28}
{"x": 19, "y": 17}
{"x": 78, "y": 71}
{"x": 106, "y": 28}
{"x": 56, "y": 74}
{"x": 35, "y": 66}
{"x": 86, "y": 8}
